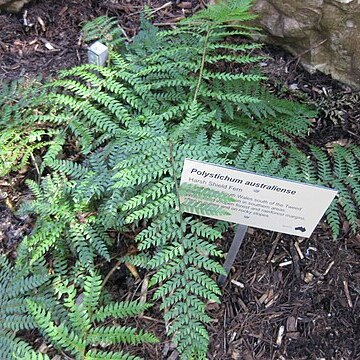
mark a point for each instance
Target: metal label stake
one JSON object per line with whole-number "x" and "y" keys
{"x": 233, "y": 251}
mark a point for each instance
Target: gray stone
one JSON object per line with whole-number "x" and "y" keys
{"x": 323, "y": 34}
{"x": 12, "y": 5}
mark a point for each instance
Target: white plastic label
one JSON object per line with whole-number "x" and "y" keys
{"x": 264, "y": 202}
{"x": 98, "y": 54}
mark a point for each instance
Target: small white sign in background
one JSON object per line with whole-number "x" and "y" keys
{"x": 98, "y": 53}
{"x": 262, "y": 201}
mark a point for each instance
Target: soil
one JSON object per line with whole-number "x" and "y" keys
{"x": 286, "y": 297}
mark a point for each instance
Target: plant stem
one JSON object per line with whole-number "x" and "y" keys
{"x": 172, "y": 162}
{"x": 202, "y": 65}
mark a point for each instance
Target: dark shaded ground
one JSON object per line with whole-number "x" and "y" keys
{"x": 45, "y": 36}
{"x": 287, "y": 297}
{"x": 313, "y": 301}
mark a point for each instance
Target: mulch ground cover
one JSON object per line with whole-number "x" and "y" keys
{"x": 286, "y": 297}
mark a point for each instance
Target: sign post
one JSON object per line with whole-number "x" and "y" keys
{"x": 259, "y": 201}
{"x": 233, "y": 251}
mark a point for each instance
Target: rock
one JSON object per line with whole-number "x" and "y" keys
{"x": 323, "y": 34}
{"x": 12, "y": 5}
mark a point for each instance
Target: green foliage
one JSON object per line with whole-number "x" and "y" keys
{"x": 225, "y": 12}
{"x": 183, "y": 254}
{"x": 17, "y": 98}
{"x": 341, "y": 172}
{"x": 17, "y": 285}
{"x": 18, "y": 147}
{"x": 104, "y": 29}
{"x": 86, "y": 323}
{"x": 20, "y": 142}
{"x": 64, "y": 224}
{"x": 169, "y": 95}
{"x": 160, "y": 72}
{"x": 338, "y": 169}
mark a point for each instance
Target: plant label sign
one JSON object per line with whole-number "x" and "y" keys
{"x": 98, "y": 53}
{"x": 247, "y": 198}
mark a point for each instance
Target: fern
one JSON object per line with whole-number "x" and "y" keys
{"x": 182, "y": 256}
{"x": 19, "y": 142}
{"x": 18, "y": 99}
{"x": 83, "y": 328}
{"x": 338, "y": 170}
{"x": 105, "y": 30}
{"x": 17, "y": 286}
{"x": 18, "y": 147}
{"x": 346, "y": 179}
{"x": 164, "y": 98}
{"x": 156, "y": 77}
{"x": 62, "y": 222}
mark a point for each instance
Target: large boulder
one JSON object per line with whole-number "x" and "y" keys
{"x": 323, "y": 34}
{"x": 12, "y": 5}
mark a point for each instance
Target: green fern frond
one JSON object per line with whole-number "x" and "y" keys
{"x": 82, "y": 329}
{"x": 17, "y": 285}
{"x": 62, "y": 220}
{"x": 20, "y": 145}
{"x": 104, "y": 29}
{"x": 60, "y": 335}
{"x": 116, "y": 334}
